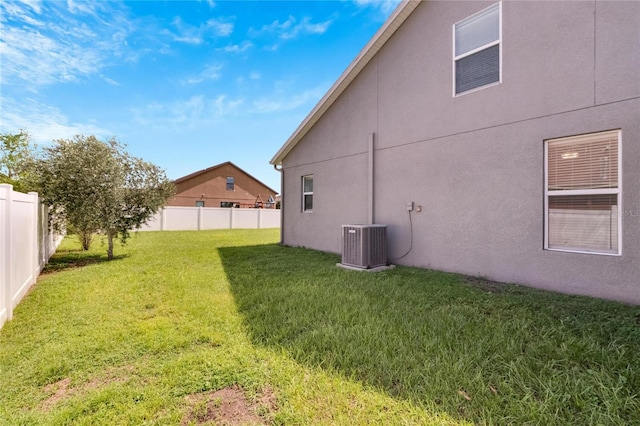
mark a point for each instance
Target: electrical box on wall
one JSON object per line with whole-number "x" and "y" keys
{"x": 410, "y": 205}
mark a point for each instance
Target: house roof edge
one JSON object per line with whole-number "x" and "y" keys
{"x": 399, "y": 15}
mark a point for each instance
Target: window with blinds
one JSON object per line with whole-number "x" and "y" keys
{"x": 476, "y": 54}
{"x": 582, "y": 193}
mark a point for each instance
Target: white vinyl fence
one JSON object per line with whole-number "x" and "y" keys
{"x": 201, "y": 218}
{"x": 26, "y": 244}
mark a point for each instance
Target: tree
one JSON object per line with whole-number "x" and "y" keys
{"x": 15, "y": 159}
{"x": 95, "y": 186}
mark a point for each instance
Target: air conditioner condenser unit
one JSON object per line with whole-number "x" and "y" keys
{"x": 364, "y": 246}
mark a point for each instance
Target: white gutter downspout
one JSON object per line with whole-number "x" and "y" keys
{"x": 370, "y": 198}
{"x": 281, "y": 171}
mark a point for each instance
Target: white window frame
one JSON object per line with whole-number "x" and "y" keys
{"x": 306, "y": 193}
{"x": 476, "y": 50}
{"x": 596, "y": 191}
{"x": 233, "y": 183}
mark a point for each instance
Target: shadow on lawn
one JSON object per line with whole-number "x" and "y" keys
{"x": 70, "y": 259}
{"x": 437, "y": 339}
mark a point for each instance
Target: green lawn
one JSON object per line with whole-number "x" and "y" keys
{"x": 184, "y": 324}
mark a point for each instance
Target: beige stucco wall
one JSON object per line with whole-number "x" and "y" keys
{"x": 475, "y": 162}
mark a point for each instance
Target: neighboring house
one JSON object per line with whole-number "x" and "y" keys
{"x": 513, "y": 127}
{"x": 224, "y": 185}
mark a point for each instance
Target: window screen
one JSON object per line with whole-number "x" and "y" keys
{"x": 477, "y": 50}
{"x": 307, "y": 193}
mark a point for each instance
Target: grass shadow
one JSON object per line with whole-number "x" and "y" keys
{"x": 70, "y": 259}
{"x": 481, "y": 351}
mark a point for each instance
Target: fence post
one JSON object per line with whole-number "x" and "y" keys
{"x": 8, "y": 261}
{"x": 162, "y": 219}
{"x": 42, "y": 241}
{"x": 42, "y": 218}
{"x": 259, "y": 218}
{"x": 199, "y": 218}
{"x": 49, "y": 239}
{"x": 231, "y": 217}
{"x": 35, "y": 266}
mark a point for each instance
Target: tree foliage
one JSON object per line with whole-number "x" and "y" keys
{"x": 16, "y": 155}
{"x": 95, "y": 186}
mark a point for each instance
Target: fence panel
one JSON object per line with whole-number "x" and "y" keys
{"x": 181, "y": 219}
{"x": 270, "y": 219}
{"x": 26, "y": 244}
{"x": 201, "y": 218}
{"x": 216, "y": 218}
{"x": 245, "y": 218}
{"x": 153, "y": 224}
{"x": 5, "y": 203}
{"x": 24, "y": 264}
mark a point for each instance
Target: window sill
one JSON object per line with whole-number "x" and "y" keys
{"x": 599, "y": 253}
{"x": 477, "y": 89}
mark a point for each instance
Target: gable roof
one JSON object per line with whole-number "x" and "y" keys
{"x": 402, "y": 12}
{"x": 217, "y": 166}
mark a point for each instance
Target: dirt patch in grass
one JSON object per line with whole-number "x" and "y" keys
{"x": 487, "y": 285}
{"x": 58, "y": 390}
{"x": 229, "y": 406}
{"x": 62, "y": 389}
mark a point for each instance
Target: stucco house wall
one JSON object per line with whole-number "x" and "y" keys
{"x": 210, "y": 186}
{"x": 475, "y": 162}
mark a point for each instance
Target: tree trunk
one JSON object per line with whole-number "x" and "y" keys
{"x": 86, "y": 237}
{"x": 110, "y": 249}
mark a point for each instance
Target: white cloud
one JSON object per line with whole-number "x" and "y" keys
{"x": 187, "y": 39}
{"x": 210, "y": 72}
{"x": 82, "y": 7}
{"x": 254, "y": 75}
{"x": 193, "y": 112}
{"x": 43, "y": 122}
{"x": 282, "y": 103}
{"x": 278, "y": 27}
{"x": 33, "y": 4}
{"x": 38, "y": 59}
{"x": 237, "y": 48}
{"x": 385, "y": 6}
{"x": 36, "y": 52}
{"x": 20, "y": 11}
{"x": 211, "y": 3}
{"x": 224, "y": 106}
{"x": 110, "y": 81}
{"x": 200, "y": 110}
{"x": 306, "y": 27}
{"x": 186, "y": 33}
{"x": 291, "y": 28}
{"x": 220, "y": 28}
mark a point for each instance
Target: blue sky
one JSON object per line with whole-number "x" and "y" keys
{"x": 186, "y": 85}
